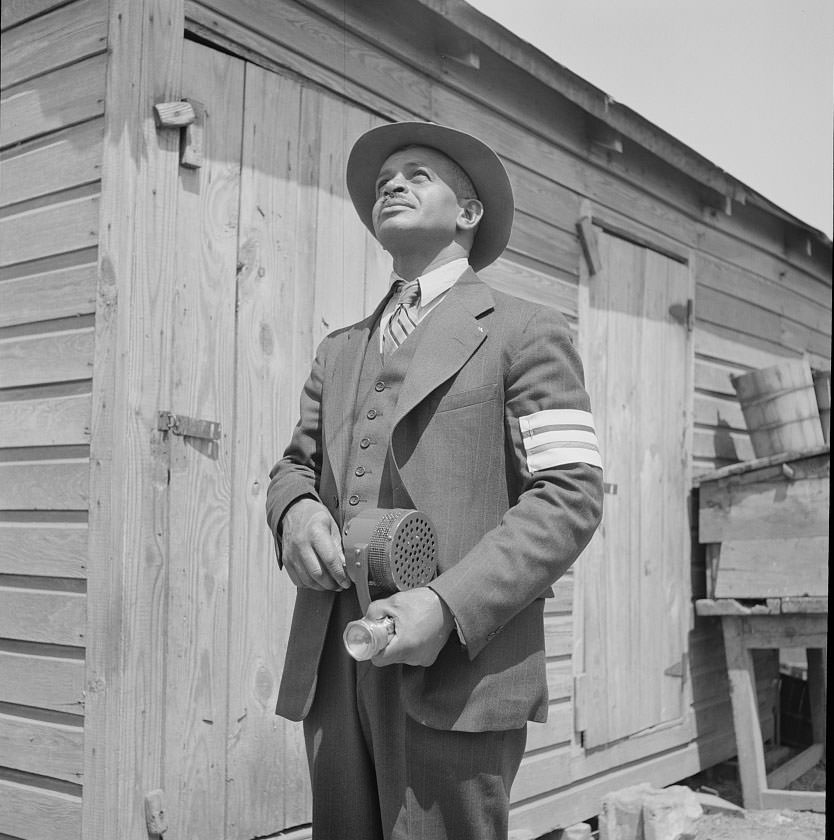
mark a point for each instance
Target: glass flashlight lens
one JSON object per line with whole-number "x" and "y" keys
{"x": 365, "y": 639}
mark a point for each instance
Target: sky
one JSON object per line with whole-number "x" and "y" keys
{"x": 748, "y": 84}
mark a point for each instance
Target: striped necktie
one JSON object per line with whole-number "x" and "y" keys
{"x": 404, "y": 317}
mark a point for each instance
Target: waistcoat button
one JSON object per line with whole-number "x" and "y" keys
{"x": 360, "y": 471}
{"x": 354, "y": 500}
{"x": 380, "y": 386}
{"x": 364, "y": 443}
{"x": 371, "y": 414}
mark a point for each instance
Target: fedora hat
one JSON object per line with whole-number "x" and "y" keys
{"x": 480, "y": 163}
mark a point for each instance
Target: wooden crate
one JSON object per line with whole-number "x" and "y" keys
{"x": 765, "y": 523}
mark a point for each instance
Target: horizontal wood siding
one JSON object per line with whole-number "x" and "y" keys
{"x": 53, "y": 75}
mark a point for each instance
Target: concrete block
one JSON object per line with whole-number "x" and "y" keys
{"x": 671, "y": 814}
{"x": 621, "y": 817}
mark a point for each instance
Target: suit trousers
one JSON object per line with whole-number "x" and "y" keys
{"x": 377, "y": 774}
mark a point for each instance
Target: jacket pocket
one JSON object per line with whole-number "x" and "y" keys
{"x": 477, "y": 395}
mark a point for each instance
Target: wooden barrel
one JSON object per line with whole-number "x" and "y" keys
{"x": 822, "y": 387}
{"x": 780, "y": 407}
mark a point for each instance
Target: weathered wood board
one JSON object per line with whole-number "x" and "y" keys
{"x": 786, "y": 566}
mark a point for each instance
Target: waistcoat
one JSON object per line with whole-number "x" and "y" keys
{"x": 367, "y": 480}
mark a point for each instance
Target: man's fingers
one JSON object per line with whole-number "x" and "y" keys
{"x": 328, "y": 549}
{"x": 312, "y": 549}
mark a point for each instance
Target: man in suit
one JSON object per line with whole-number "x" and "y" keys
{"x": 468, "y": 405}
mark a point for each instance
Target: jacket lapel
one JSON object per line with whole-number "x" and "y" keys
{"x": 450, "y": 335}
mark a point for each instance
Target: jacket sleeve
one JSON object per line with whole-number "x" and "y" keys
{"x": 298, "y": 472}
{"x": 552, "y": 459}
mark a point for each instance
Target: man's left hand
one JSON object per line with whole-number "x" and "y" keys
{"x": 422, "y": 621}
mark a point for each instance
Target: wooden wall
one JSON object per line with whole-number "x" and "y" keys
{"x": 53, "y": 74}
{"x": 762, "y": 293}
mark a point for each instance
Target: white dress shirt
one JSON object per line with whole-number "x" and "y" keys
{"x": 433, "y": 287}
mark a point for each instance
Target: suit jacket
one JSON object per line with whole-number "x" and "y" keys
{"x": 505, "y": 533}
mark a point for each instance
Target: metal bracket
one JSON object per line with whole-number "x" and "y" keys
{"x": 679, "y": 668}
{"x": 179, "y": 424}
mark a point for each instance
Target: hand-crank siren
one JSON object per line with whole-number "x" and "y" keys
{"x": 386, "y": 551}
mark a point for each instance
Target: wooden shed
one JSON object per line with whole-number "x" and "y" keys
{"x": 161, "y": 293}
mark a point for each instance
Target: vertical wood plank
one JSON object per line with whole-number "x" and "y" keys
{"x": 125, "y": 695}
{"x": 742, "y": 675}
{"x": 202, "y": 372}
{"x": 267, "y": 770}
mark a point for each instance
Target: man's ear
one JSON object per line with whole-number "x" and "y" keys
{"x": 470, "y": 214}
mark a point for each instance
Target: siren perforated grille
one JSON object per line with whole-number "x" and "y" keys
{"x": 402, "y": 551}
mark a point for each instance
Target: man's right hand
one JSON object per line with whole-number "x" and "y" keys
{"x": 311, "y": 547}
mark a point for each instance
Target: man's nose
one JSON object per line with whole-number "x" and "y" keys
{"x": 395, "y": 184}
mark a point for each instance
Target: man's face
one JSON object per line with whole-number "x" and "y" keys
{"x": 414, "y": 200}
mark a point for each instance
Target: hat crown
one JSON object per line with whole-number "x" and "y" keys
{"x": 481, "y": 164}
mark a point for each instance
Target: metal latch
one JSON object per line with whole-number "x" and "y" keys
{"x": 179, "y": 424}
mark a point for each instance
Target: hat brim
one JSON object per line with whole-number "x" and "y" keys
{"x": 478, "y": 160}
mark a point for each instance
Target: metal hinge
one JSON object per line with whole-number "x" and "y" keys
{"x": 580, "y": 702}
{"x": 179, "y": 424}
{"x": 679, "y": 668}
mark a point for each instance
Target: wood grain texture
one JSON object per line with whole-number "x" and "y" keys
{"x": 299, "y": 244}
{"x": 59, "y": 292}
{"x": 39, "y": 615}
{"x": 53, "y": 101}
{"x": 792, "y": 566}
{"x": 765, "y": 505}
{"x": 51, "y": 357}
{"x": 266, "y": 762}
{"x": 72, "y": 225}
{"x": 15, "y": 12}
{"x": 60, "y": 161}
{"x": 48, "y": 749}
{"x": 547, "y": 288}
{"x": 635, "y": 573}
{"x": 43, "y": 682}
{"x": 202, "y": 368}
{"x": 125, "y": 664}
{"x": 52, "y": 421}
{"x": 64, "y": 36}
{"x": 44, "y": 485}
{"x": 48, "y": 549}
{"x": 38, "y": 814}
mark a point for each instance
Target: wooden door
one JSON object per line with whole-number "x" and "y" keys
{"x": 272, "y": 257}
{"x": 637, "y": 351}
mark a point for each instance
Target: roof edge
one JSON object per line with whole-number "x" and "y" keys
{"x": 599, "y": 104}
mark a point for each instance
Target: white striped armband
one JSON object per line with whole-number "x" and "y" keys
{"x": 559, "y": 436}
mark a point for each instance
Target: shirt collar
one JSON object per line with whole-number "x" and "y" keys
{"x": 439, "y": 280}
